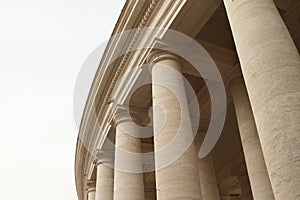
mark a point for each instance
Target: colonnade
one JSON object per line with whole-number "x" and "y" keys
{"x": 270, "y": 65}
{"x": 266, "y": 100}
{"x": 177, "y": 180}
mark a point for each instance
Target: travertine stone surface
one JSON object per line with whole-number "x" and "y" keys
{"x": 258, "y": 175}
{"x": 179, "y": 180}
{"x": 104, "y": 182}
{"x": 127, "y": 185}
{"x": 91, "y": 195}
{"x": 271, "y": 68}
{"x": 208, "y": 181}
{"x": 207, "y": 176}
{"x": 91, "y": 190}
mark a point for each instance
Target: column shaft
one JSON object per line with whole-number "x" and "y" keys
{"x": 270, "y": 64}
{"x": 91, "y": 189}
{"x": 258, "y": 175}
{"x": 245, "y": 187}
{"x": 91, "y": 195}
{"x": 104, "y": 182}
{"x": 179, "y": 180}
{"x": 207, "y": 176}
{"x": 127, "y": 185}
{"x": 208, "y": 181}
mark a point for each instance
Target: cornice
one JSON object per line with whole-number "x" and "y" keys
{"x": 88, "y": 122}
{"x": 133, "y": 42}
{"x": 116, "y": 73}
{"x": 81, "y": 158}
{"x": 126, "y": 62}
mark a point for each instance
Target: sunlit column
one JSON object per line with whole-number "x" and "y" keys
{"x": 180, "y": 179}
{"x": 104, "y": 182}
{"x": 270, "y": 65}
{"x": 258, "y": 175}
{"x": 127, "y": 185}
{"x": 91, "y": 189}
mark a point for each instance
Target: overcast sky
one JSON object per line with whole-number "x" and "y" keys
{"x": 43, "y": 44}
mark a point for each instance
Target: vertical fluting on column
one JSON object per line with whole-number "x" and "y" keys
{"x": 207, "y": 176}
{"x": 258, "y": 175}
{"x": 91, "y": 189}
{"x": 271, "y": 68}
{"x": 179, "y": 180}
{"x": 127, "y": 185}
{"x": 104, "y": 182}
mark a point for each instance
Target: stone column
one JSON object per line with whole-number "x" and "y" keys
{"x": 258, "y": 175}
{"x": 127, "y": 185}
{"x": 241, "y": 173}
{"x": 208, "y": 180}
{"x": 270, "y": 64}
{"x": 149, "y": 177}
{"x": 91, "y": 189}
{"x": 180, "y": 179}
{"x": 245, "y": 187}
{"x": 104, "y": 182}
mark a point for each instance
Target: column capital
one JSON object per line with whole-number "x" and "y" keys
{"x": 126, "y": 114}
{"x": 90, "y": 185}
{"x": 97, "y": 162}
{"x": 105, "y": 156}
{"x": 158, "y": 55}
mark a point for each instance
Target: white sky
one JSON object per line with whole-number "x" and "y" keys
{"x": 43, "y": 44}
